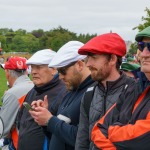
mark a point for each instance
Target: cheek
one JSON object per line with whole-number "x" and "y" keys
{"x": 145, "y": 68}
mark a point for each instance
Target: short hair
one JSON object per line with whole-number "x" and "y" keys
{"x": 119, "y": 60}
{"x": 16, "y": 74}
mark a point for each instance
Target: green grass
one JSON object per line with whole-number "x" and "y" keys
{"x": 3, "y": 86}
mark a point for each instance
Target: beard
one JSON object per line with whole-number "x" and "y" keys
{"x": 74, "y": 82}
{"x": 100, "y": 74}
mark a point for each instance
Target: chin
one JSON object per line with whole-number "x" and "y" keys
{"x": 145, "y": 70}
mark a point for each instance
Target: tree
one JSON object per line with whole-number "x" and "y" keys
{"x": 58, "y": 37}
{"x": 38, "y": 33}
{"x": 25, "y": 43}
{"x": 146, "y": 21}
{"x": 21, "y": 40}
{"x": 140, "y": 27}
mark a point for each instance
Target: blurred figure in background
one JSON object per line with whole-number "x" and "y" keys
{"x": 128, "y": 68}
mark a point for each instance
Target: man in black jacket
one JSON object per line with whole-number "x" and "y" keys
{"x": 104, "y": 59}
{"x": 126, "y": 125}
{"x": 47, "y": 82}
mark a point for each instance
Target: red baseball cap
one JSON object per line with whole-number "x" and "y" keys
{"x": 16, "y": 63}
{"x": 110, "y": 43}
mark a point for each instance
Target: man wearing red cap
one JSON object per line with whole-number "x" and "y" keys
{"x": 20, "y": 84}
{"x": 127, "y": 125}
{"x": 104, "y": 59}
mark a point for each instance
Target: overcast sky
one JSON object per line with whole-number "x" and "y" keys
{"x": 79, "y": 16}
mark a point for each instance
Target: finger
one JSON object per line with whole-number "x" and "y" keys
{"x": 33, "y": 103}
{"x": 45, "y": 101}
{"x": 39, "y": 103}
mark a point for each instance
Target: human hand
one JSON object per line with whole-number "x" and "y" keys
{"x": 40, "y": 103}
{"x": 41, "y": 115}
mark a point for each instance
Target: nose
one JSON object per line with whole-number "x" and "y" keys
{"x": 145, "y": 52}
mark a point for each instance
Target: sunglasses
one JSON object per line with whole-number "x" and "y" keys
{"x": 142, "y": 45}
{"x": 63, "y": 70}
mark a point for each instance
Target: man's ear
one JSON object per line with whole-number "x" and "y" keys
{"x": 113, "y": 59}
{"x": 54, "y": 71}
{"x": 80, "y": 65}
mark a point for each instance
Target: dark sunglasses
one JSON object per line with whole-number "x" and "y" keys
{"x": 142, "y": 45}
{"x": 63, "y": 70}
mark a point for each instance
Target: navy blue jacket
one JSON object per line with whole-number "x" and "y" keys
{"x": 64, "y": 134}
{"x": 141, "y": 77}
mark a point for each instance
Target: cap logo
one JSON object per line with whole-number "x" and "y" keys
{"x": 19, "y": 64}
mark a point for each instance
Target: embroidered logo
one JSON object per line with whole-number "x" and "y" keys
{"x": 19, "y": 64}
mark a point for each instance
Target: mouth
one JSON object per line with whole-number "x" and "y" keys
{"x": 35, "y": 78}
{"x": 92, "y": 69}
{"x": 145, "y": 62}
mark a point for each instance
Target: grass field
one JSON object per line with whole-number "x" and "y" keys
{"x": 3, "y": 81}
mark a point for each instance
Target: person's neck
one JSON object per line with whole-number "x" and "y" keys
{"x": 85, "y": 74}
{"x": 112, "y": 77}
{"x": 12, "y": 81}
{"x": 147, "y": 76}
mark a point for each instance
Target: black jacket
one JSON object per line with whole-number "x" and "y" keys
{"x": 126, "y": 125}
{"x": 31, "y": 135}
{"x": 102, "y": 100}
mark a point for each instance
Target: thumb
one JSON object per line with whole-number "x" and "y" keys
{"x": 45, "y": 101}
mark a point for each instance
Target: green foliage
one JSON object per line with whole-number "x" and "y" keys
{"x": 146, "y": 21}
{"x": 133, "y": 48}
{"x": 23, "y": 41}
{"x": 3, "y": 85}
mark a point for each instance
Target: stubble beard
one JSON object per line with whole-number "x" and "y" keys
{"x": 100, "y": 75}
{"x": 75, "y": 81}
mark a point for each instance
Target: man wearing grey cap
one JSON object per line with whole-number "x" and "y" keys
{"x": 47, "y": 82}
{"x": 73, "y": 71}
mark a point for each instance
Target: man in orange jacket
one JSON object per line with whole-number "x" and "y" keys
{"x": 127, "y": 123}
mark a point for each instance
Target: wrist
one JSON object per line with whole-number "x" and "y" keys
{"x": 46, "y": 122}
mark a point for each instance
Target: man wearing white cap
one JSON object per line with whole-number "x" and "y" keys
{"x": 73, "y": 71}
{"x": 47, "y": 82}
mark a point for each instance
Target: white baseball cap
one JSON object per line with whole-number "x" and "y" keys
{"x": 41, "y": 57}
{"x": 67, "y": 54}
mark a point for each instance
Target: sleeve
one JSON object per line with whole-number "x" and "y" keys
{"x": 9, "y": 112}
{"x": 48, "y": 134}
{"x": 119, "y": 113}
{"x": 66, "y": 132}
{"x": 82, "y": 140}
{"x": 131, "y": 136}
{"x": 100, "y": 132}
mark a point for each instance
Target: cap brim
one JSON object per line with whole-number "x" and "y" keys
{"x": 2, "y": 66}
{"x": 140, "y": 37}
{"x": 87, "y": 51}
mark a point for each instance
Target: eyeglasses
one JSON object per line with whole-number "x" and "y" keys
{"x": 63, "y": 70}
{"x": 142, "y": 45}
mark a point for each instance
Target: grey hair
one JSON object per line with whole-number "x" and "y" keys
{"x": 16, "y": 74}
